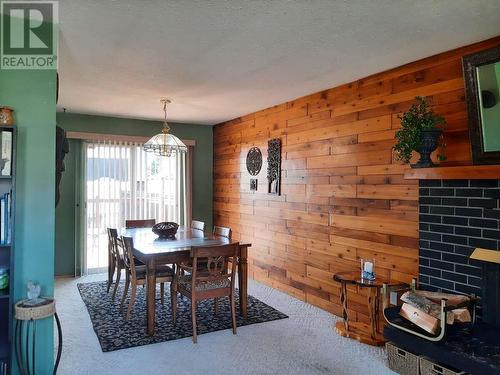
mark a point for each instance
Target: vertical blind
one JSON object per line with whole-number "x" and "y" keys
{"x": 124, "y": 182}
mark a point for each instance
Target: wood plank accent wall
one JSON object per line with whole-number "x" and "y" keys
{"x": 343, "y": 194}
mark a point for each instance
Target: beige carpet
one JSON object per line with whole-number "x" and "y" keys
{"x": 303, "y": 344}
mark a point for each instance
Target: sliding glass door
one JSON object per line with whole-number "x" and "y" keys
{"x": 124, "y": 182}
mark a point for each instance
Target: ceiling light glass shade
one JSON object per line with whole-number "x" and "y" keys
{"x": 165, "y": 144}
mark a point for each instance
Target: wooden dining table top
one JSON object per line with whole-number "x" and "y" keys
{"x": 149, "y": 244}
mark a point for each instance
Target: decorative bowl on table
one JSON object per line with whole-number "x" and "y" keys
{"x": 165, "y": 229}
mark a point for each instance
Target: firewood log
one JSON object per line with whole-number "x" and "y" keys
{"x": 462, "y": 315}
{"x": 420, "y": 302}
{"x": 419, "y": 318}
{"x": 451, "y": 299}
{"x": 426, "y": 305}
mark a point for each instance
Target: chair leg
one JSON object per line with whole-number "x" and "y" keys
{"x": 118, "y": 276}
{"x": 233, "y": 313}
{"x": 133, "y": 293}
{"x": 125, "y": 290}
{"x": 162, "y": 292}
{"x": 173, "y": 300}
{"x": 193, "y": 317}
{"x": 111, "y": 273}
{"x": 216, "y": 305}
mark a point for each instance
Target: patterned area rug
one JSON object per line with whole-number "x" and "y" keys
{"x": 115, "y": 333}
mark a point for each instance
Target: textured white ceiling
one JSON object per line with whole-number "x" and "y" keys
{"x": 220, "y": 59}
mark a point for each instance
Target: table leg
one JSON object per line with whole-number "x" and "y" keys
{"x": 377, "y": 311}
{"x": 59, "y": 345}
{"x": 151, "y": 291}
{"x": 372, "y": 311}
{"x": 27, "y": 344}
{"x": 18, "y": 345}
{"x": 243, "y": 280}
{"x": 110, "y": 268}
{"x": 343, "y": 301}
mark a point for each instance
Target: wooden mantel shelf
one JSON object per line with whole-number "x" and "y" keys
{"x": 464, "y": 172}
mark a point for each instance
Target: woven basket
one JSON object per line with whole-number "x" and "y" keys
{"x": 23, "y": 312}
{"x": 427, "y": 367}
{"x": 401, "y": 361}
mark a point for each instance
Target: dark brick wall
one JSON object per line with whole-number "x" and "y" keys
{"x": 456, "y": 216}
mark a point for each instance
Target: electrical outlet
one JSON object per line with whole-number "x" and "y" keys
{"x": 394, "y": 298}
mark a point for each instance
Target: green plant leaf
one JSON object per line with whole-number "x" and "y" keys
{"x": 418, "y": 118}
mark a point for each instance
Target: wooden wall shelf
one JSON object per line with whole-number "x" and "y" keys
{"x": 464, "y": 172}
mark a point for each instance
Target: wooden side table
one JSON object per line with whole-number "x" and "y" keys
{"x": 371, "y": 333}
{"x": 26, "y": 316}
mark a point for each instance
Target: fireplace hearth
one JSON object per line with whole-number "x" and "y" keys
{"x": 456, "y": 217}
{"x": 476, "y": 352}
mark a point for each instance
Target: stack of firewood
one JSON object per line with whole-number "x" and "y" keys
{"x": 424, "y": 309}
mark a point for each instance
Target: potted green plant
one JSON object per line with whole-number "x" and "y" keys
{"x": 421, "y": 131}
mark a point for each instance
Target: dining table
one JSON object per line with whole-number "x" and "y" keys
{"x": 153, "y": 250}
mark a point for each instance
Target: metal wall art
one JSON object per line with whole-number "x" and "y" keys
{"x": 254, "y": 165}
{"x": 254, "y": 161}
{"x": 253, "y": 184}
{"x": 274, "y": 166}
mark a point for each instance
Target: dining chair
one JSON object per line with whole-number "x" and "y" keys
{"x": 146, "y": 223}
{"x": 213, "y": 282}
{"x": 222, "y": 232}
{"x": 136, "y": 275}
{"x": 115, "y": 260}
{"x": 199, "y": 225}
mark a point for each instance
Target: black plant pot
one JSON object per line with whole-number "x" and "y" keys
{"x": 428, "y": 145}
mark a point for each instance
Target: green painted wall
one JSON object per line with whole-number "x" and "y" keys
{"x": 32, "y": 94}
{"x": 65, "y": 214}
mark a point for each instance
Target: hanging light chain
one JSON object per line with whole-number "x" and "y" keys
{"x": 166, "y": 127}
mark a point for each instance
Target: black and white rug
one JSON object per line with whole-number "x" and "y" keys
{"x": 115, "y": 333}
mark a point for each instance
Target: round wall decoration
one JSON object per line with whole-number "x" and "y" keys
{"x": 254, "y": 161}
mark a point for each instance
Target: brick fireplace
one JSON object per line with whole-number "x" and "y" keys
{"x": 456, "y": 216}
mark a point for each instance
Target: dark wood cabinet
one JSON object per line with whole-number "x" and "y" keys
{"x": 7, "y": 214}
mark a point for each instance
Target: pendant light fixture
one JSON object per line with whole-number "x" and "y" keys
{"x": 164, "y": 143}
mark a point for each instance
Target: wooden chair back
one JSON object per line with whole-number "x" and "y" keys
{"x": 146, "y": 223}
{"x": 128, "y": 256}
{"x": 222, "y": 232}
{"x": 113, "y": 243}
{"x": 199, "y": 225}
{"x": 216, "y": 258}
{"x": 211, "y": 280}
